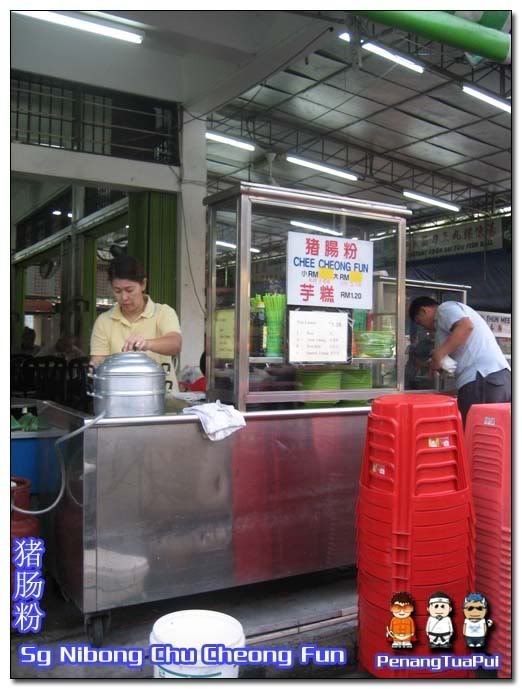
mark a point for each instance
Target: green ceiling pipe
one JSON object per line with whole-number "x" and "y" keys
{"x": 447, "y": 28}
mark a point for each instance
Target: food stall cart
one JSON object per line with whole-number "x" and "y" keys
{"x": 152, "y": 508}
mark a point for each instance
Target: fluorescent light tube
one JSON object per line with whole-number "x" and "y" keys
{"x": 57, "y": 212}
{"x": 431, "y": 201}
{"x": 84, "y": 25}
{"x": 316, "y": 228}
{"x": 335, "y": 171}
{"x": 222, "y": 139}
{"x": 387, "y": 54}
{"x": 394, "y": 57}
{"x": 233, "y": 246}
{"x": 382, "y": 235}
{"x": 492, "y": 100}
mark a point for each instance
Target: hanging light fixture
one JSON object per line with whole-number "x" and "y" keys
{"x": 229, "y": 245}
{"x": 430, "y": 200}
{"x": 326, "y": 169}
{"x": 387, "y": 54}
{"x": 97, "y": 27}
{"x": 487, "y": 98}
{"x": 231, "y": 141}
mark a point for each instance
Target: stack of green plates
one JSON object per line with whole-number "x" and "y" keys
{"x": 359, "y": 319}
{"x": 353, "y": 379}
{"x": 378, "y": 344}
{"x": 319, "y": 380}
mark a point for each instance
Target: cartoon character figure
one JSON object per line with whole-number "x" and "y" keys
{"x": 401, "y": 631}
{"x": 439, "y": 628}
{"x": 475, "y": 624}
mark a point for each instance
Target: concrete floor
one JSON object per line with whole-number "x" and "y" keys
{"x": 317, "y": 609}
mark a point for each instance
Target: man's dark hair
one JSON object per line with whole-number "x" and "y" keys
{"x": 402, "y": 597}
{"x": 417, "y": 304}
{"x": 126, "y": 268}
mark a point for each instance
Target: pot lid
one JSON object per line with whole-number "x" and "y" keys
{"x": 129, "y": 363}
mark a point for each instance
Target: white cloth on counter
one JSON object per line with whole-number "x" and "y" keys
{"x": 218, "y": 420}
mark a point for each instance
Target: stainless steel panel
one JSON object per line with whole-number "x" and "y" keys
{"x": 295, "y": 483}
{"x": 62, "y": 528}
{"x": 163, "y": 513}
{"x": 154, "y": 509}
{"x": 89, "y": 523}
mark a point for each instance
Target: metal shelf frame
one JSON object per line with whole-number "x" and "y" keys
{"x": 241, "y": 200}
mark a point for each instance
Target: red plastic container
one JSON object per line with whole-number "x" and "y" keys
{"x": 20, "y": 495}
{"x": 488, "y": 444}
{"x": 415, "y": 522}
{"x": 22, "y": 525}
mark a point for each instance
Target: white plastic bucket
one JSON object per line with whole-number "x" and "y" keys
{"x": 187, "y": 631}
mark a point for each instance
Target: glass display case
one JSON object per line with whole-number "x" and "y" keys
{"x": 299, "y": 314}
{"x": 418, "y": 342}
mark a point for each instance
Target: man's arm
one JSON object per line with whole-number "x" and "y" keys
{"x": 460, "y": 332}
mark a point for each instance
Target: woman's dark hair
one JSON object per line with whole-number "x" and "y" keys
{"x": 419, "y": 303}
{"x": 126, "y": 268}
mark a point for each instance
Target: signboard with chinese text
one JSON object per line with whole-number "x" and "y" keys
{"x": 459, "y": 239}
{"x": 329, "y": 271}
{"x": 500, "y": 323}
{"x": 317, "y": 336}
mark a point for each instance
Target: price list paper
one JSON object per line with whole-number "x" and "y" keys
{"x": 317, "y": 336}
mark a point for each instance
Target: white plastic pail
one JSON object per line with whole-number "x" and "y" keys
{"x": 186, "y": 632}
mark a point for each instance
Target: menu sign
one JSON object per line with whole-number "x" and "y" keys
{"x": 317, "y": 336}
{"x": 224, "y": 334}
{"x": 500, "y": 323}
{"x": 327, "y": 271}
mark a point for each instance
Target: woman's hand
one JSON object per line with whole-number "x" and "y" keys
{"x": 135, "y": 343}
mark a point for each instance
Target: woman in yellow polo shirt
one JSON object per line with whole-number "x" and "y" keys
{"x": 135, "y": 322}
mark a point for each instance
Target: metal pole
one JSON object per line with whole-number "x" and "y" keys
{"x": 448, "y": 29}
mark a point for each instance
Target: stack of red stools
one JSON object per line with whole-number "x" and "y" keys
{"x": 415, "y": 523}
{"x": 488, "y": 444}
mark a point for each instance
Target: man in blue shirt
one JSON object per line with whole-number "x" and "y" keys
{"x": 483, "y": 374}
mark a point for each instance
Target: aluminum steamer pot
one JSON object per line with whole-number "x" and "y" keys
{"x": 129, "y": 384}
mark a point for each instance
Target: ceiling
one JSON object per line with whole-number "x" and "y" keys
{"x": 291, "y": 85}
{"x": 395, "y": 129}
